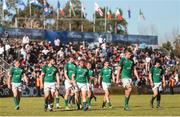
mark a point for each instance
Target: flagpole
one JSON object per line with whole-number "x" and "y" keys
{"x": 82, "y": 10}
{"x": 105, "y": 20}
{"x": 3, "y": 13}
{"x": 30, "y": 13}
{"x": 44, "y": 26}
{"x": 17, "y": 18}
{"x": 30, "y": 9}
{"x": 69, "y": 16}
{"x": 115, "y": 26}
{"x": 94, "y": 26}
{"x": 16, "y": 24}
{"x": 57, "y": 20}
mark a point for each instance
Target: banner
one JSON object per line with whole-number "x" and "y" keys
{"x": 28, "y": 91}
{"x": 20, "y": 32}
{"x": 66, "y": 36}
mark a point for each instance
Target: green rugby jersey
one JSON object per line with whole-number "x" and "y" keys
{"x": 106, "y": 74}
{"x": 90, "y": 74}
{"x": 70, "y": 68}
{"x": 126, "y": 68}
{"x": 16, "y": 74}
{"x": 50, "y": 73}
{"x": 156, "y": 74}
{"x": 81, "y": 74}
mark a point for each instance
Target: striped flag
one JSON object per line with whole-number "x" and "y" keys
{"x": 20, "y": 4}
{"x": 60, "y": 10}
{"x": 5, "y": 6}
{"x": 47, "y": 9}
{"x": 129, "y": 13}
{"x": 98, "y": 9}
{"x": 58, "y": 5}
{"x": 72, "y": 8}
{"x": 83, "y": 10}
{"x": 36, "y": 3}
{"x": 119, "y": 14}
{"x": 109, "y": 14}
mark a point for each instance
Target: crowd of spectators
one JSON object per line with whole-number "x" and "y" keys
{"x": 35, "y": 53}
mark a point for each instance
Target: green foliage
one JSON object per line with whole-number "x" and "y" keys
{"x": 177, "y": 46}
{"x": 167, "y": 46}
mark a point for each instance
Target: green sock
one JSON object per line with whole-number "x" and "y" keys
{"x": 158, "y": 99}
{"x": 66, "y": 102}
{"x": 84, "y": 104}
{"x": 16, "y": 101}
{"x": 158, "y": 103}
{"x": 109, "y": 104}
{"x": 89, "y": 101}
{"x": 45, "y": 103}
{"x": 126, "y": 102}
{"x": 152, "y": 99}
{"x": 57, "y": 100}
{"x": 104, "y": 104}
{"x": 70, "y": 99}
{"x": 80, "y": 102}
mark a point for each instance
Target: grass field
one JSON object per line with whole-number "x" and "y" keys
{"x": 139, "y": 104}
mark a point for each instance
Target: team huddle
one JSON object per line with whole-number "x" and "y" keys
{"x": 80, "y": 79}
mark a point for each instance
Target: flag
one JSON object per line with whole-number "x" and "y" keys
{"x": 72, "y": 8}
{"x": 129, "y": 13}
{"x": 47, "y": 9}
{"x": 36, "y": 3}
{"x": 83, "y": 10}
{"x": 5, "y": 6}
{"x": 12, "y": 11}
{"x": 58, "y": 5}
{"x": 141, "y": 14}
{"x": 20, "y": 4}
{"x": 98, "y": 9}
{"x": 109, "y": 14}
{"x": 118, "y": 14}
{"x": 60, "y": 10}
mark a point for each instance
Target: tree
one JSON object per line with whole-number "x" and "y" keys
{"x": 167, "y": 46}
{"x": 177, "y": 46}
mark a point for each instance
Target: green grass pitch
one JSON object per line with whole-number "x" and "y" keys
{"x": 139, "y": 105}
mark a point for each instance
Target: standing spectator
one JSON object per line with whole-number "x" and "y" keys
{"x": 57, "y": 43}
{"x": 147, "y": 62}
{"x": 1, "y": 50}
{"x": 25, "y": 40}
{"x": 172, "y": 84}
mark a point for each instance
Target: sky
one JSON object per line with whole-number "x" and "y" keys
{"x": 161, "y": 16}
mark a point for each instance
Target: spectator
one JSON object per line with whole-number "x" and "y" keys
{"x": 25, "y": 40}
{"x": 172, "y": 84}
{"x": 57, "y": 42}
